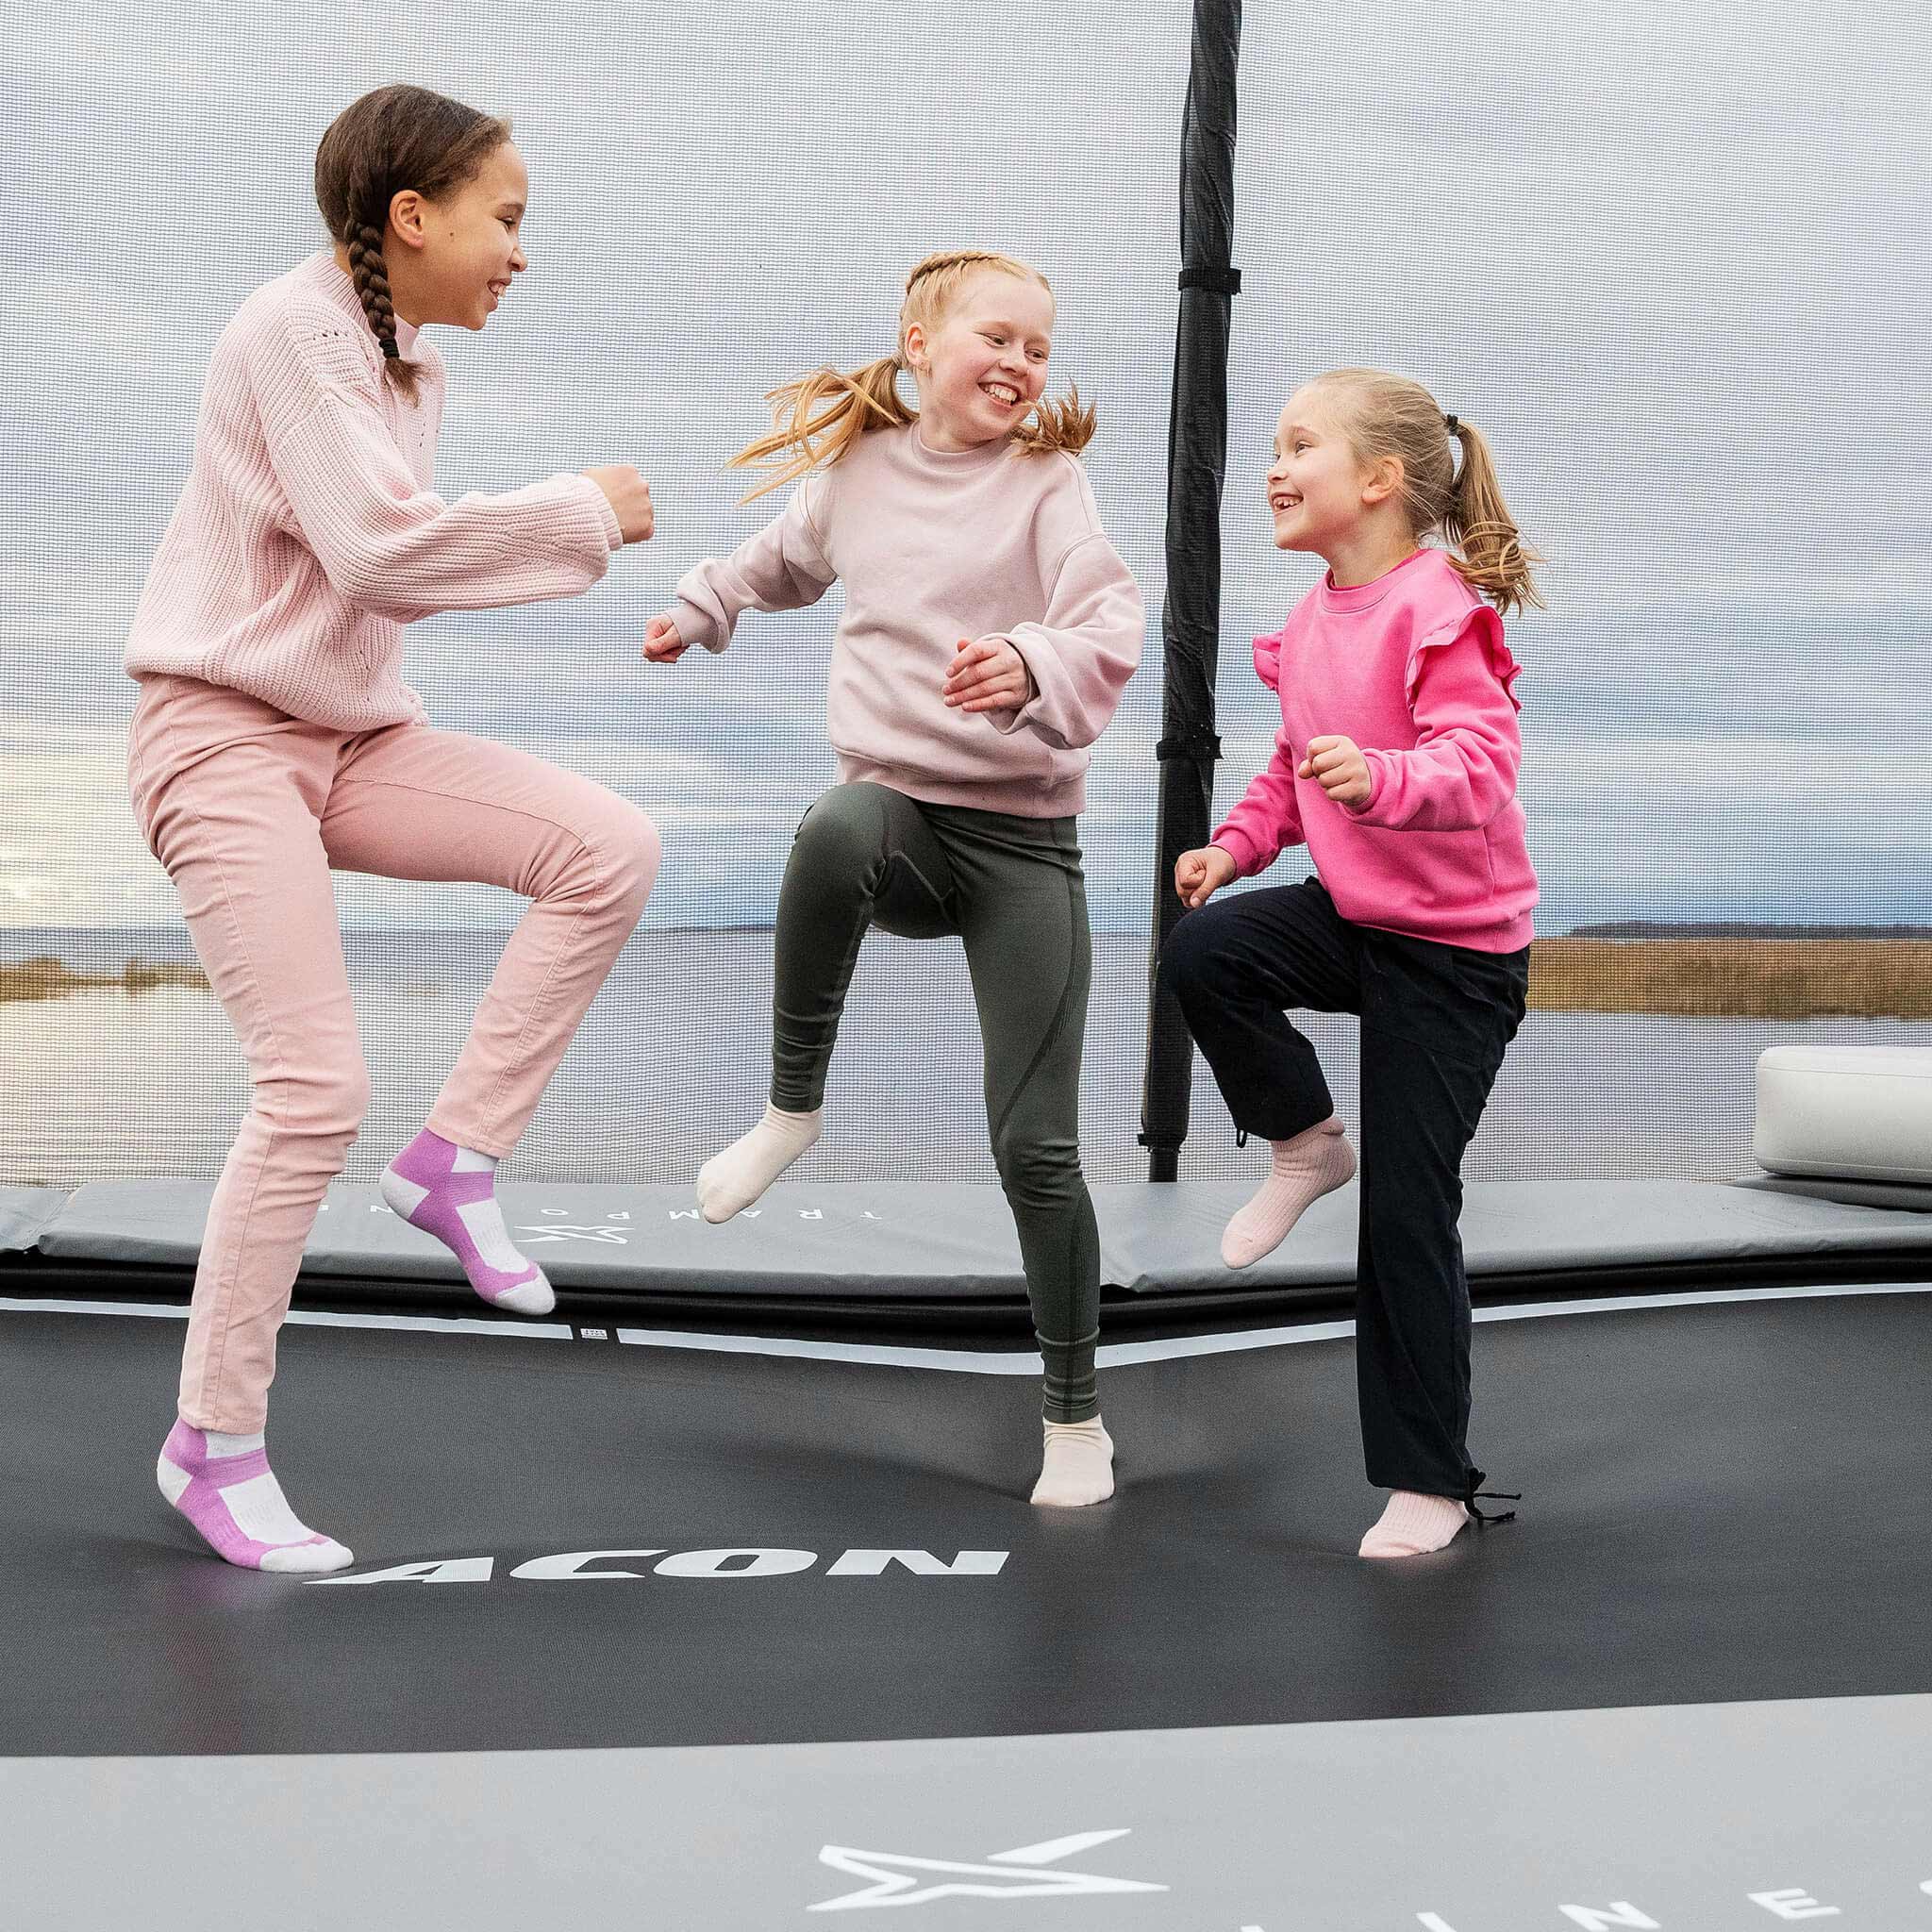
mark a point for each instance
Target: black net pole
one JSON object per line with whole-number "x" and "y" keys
{"x": 1191, "y": 617}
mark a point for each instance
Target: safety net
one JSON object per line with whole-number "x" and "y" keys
{"x": 1668, "y": 259}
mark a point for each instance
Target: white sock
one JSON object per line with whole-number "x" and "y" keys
{"x": 1314, "y": 1163}
{"x": 1077, "y": 1467}
{"x": 1413, "y": 1524}
{"x": 730, "y": 1181}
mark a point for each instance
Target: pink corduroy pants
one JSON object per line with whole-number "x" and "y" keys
{"x": 250, "y": 810}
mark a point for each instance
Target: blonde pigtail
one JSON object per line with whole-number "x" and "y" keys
{"x": 819, "y": 417}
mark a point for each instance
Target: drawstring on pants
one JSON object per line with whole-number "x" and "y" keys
{"x": 1475, "y": 1493}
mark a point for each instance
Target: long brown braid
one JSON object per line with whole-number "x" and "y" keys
{"x": 370, "y": 273}
{"x": 393, "y": 139}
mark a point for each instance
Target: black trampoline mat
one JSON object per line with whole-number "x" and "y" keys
{"x": 1722, "y": 1503}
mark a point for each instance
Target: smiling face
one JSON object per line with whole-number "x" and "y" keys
{"x": 471, "y": 246}
{"x": 984, "y": 366}
{"x": 1316, "y": 483}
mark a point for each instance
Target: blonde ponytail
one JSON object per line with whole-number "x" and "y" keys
{"x": 1494, "y": 561}
{"x": 1384, "y": 415}
{"x": 819, "y": 417}
{"x": 1066, "y": 425}
{"x": 816, "y": 418}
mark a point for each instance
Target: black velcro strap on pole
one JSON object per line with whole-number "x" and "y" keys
{"x": 1204, "y": 748}
{"x": 1222, "y": 281}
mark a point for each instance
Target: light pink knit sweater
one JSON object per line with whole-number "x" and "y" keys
{"x": 309, "y": 531}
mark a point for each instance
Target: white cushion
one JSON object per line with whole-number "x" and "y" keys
{"x": 1845, "y": 1112}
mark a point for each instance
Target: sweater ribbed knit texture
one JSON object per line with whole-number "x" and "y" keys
{"x": 309, "y": 531}
{"x": 935, "y": 547}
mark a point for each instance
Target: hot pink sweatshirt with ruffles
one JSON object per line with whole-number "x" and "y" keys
{"x": 1413, "y": 668}
{"x": 309, "y": 531}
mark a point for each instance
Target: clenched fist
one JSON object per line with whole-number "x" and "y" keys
{"x": 663, "y": 643}
{"x": 629, "y": 496}
{"x": 1337, "y": 765}
{"x": 1199, "y": 874}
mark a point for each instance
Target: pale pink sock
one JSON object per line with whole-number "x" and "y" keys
{"x": 733, "y": 1179}
{"x": 223, "y": 1486}
{"x": 1076, "y": 1468}
{"x": 1315, "y": 1162}
{"x": 1413, "y": 1524}
{"x": 450, "y": 1191}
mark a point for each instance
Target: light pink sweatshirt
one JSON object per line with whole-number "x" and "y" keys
{"x": 936, "y": 547}
{"x": 309, "y": 531}
{"x": 1413, "y": 668}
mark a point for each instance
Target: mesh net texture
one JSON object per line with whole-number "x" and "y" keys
{"x": 1681, "y": 296}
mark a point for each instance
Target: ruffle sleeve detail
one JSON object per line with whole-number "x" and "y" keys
{"x": 1268, "y": 659}
{"x": 1488, "y": 628}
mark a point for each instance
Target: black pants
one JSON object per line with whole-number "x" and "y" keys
{"x": 1436, "y": 1021}
{"x": 1014, "y": 890}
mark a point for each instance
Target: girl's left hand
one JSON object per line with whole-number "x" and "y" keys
{"x": 989, "y": 675}
{"x": 1337, "y": 765}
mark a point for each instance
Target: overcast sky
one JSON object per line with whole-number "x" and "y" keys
{"x": 1672, "y": 261}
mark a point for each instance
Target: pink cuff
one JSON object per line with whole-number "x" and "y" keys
{"x": 1006, "y": 723}
{"x": 613, "y": 530}
{"x": 1377, "y": 762}
{"x": 1239, "y": 848}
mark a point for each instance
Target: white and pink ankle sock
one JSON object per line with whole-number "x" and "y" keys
{"x": 1315, "y": 1162}
{"x": 1077, "y": 1466}
{"x": 223, "y": 1486}
{"x": 450, "y": 1191}
{"x": 733, "y": 1178}
{"x": 1414, "y": 1524}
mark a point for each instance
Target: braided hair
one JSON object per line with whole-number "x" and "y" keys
{"x": 393, "y": 139}
{"x": 371, "y": 273}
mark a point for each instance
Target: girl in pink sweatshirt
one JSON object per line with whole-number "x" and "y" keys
{"x": 1396, "y": 766}
{"x": 989, "y": 630}
{"x": 273, "y": 739}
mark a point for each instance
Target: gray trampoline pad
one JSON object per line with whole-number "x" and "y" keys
{"x": 1156, "y": 1238}
{"x": 1713, "y": 1816}
{"x": 25, "y": 1213}
{"x": 1892, "y": 1195}
{"x": 890, "y": 1240}
{"x": 879, "y": 1240}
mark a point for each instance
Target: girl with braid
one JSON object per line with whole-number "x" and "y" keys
{"x": 989, "y": 630}
{"x": 273, "y": 739}
{"x": 1395, "y": 765}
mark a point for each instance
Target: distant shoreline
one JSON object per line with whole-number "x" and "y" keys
{"x": 1731, "y": 972}
{"x": 45, "y": 978}
{"x": 1735, "y": 978}
{"x": 1597, "y": 929}
{"x": 1739, "y": 930}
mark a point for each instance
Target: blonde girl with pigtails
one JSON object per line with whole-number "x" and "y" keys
{"x": 990, "y": 628}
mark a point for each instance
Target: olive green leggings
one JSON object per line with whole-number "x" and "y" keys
{"x": 1012, "y": 889}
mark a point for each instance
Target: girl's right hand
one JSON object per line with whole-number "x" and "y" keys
{"x": 1199, "y": 874}
{"x": 630, "y": 498}
{"x": 662, "y": 644}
